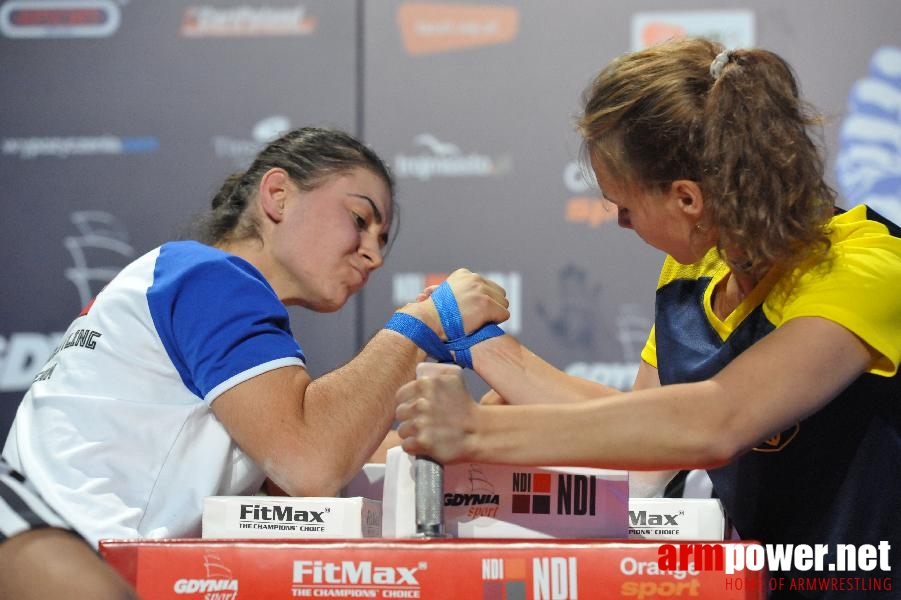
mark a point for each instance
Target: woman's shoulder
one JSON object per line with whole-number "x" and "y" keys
{"x": 190, "y": 256}
{"x": 193, "y": 267}
{"x": 190, "y": 251}
{"x": 861, "y": 222}
{"x": 707, "y": 267}
{"x": 865, "y": 250}
{"x": 864, "y": 242}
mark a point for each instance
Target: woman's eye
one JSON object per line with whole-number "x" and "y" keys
{"x": 360, "y": 221}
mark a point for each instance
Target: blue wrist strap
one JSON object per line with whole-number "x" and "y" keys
{"x": 448, "y": 311}
{"x": 420, "y": 334}
{"x": 461, "y": 346}
{"x": 452, "y": 321}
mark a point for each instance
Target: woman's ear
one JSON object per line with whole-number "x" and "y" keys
{"x": 273, "y": 193}
{"x": 689, "y": 196}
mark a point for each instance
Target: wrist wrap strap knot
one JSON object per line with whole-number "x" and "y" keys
{"x": 452, "y": 321}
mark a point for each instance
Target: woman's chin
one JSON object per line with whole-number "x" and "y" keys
{"x": 322, "y": 305}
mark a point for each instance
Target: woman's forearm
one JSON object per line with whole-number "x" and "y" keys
{"x": 522, "y": 377}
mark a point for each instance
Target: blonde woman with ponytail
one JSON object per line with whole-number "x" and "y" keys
{"x": 773, "y": 360}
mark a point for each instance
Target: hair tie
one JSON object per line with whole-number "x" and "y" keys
{"x": 716, "y": 67}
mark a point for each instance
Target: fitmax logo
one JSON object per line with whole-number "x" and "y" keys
{"x": 257, "y": 512}
{"x": 351, "y": 572}
{"x": 643, "y": 519}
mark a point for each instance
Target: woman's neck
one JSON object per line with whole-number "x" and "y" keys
{"x": 730, "y": 293}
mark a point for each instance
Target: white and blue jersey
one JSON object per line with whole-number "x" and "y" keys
{"x": 116, "y": 432}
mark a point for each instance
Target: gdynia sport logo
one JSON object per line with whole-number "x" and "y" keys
{"x": 812, "y": 567}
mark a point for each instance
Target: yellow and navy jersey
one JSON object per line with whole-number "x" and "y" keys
{"x": 857, "y": 288}
{"x": 833, "y": 477}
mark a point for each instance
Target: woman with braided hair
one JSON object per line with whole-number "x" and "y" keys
{"x": 773, "y": 360}
{"x": 182, "y": 379}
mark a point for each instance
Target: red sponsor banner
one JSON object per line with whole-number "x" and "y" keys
{"x": 414, "y": 568}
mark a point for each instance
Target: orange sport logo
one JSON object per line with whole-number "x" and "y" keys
{"x": 778, "y": 442}
{"x": 435, "y": 28}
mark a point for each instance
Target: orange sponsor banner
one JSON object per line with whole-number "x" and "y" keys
{"x": 433, "y": 28}
{"x": 415, "y": 568}
{"x": 435, "y": 278}
{"x": 591, "y": 211}
{"x": 657, "y": 32}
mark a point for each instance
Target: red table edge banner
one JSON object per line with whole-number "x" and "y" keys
{"x": 125, "y": 555}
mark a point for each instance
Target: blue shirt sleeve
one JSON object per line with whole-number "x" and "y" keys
{"x": 217, "y": 316}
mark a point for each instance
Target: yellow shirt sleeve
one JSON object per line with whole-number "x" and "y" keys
{"x": 649, "y": 352}
{"x": 858, "y": 288}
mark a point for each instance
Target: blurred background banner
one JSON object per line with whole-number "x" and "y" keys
{"x": 121, "y": 117}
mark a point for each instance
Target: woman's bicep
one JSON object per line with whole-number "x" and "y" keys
{"x": 264, "y": 416}
{"x": 790, "y": 374}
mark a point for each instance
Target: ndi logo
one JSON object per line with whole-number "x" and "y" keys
{"x": 504, "y": 578}
{"x": 576, "y": 494}
{"x": 532, "y": 493}
{"x": 553, "y": 578}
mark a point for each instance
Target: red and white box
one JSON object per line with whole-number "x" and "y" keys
{"x": 433, "y": 569}
{"x": 502, "y": 501}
